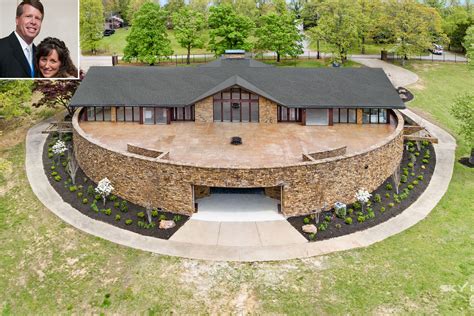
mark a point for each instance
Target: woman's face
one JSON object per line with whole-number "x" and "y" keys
{"x": 49, "y": 65}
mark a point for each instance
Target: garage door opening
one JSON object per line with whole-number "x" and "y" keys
{"x": 237, "y": 204}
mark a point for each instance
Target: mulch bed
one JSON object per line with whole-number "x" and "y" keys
{"x": 62, "y": 187}
{"x": 337, "y": 226}
{"x": 465, "y": 161}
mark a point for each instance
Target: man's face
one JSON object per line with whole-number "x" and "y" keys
{"x": 28, "y": 25}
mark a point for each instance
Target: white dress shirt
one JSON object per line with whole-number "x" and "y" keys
{"x": 27, "y": 50}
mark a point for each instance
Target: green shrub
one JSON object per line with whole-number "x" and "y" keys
{"x": 406, "y": 173}
{"x": 50, "y": 155}
{"x": 410, "y": 165}
{"x": 107, "y": 212}
{"x": 94, "y": 207}
{"x": 382, "y": 209}
{"x": 54, "y": 173}
{"x": 141, "y": 215}
{"x": 128, "y": 222}
{"x": 412, "y": 174}
{"x": 371, "y": 215}
{"x": 389, "y": 186}
{"x": 403, "y": 179}
{"x": 348, "y": 220}
{"x": 98, "y": 197}
{"x": 341, "y": 212}
{"x": 357, "y": 205}
{"x": 369, "y": 209}
{"x": 350, "y": 211}
{"x": 312, "y": 236}
{"x": 154, "y": 213}
{"x": 425, "y": 161}
{"x": 359, "y": 213}
{"x": 306, "y": 220}
{"x": 403, "y": 196}
{"x": 327, "y": 218}
{"x": 80, "y": 194}
{"x": 145, "y": 225}
{"x": 377, "y": 198}
{"x": 417, "y": 154}
{"x": 64, "y": 163}
{"x": 410, "y": 144}
{"x": 85, "y": 201}
{"x": 112, "y": 197}
{"x": 53, "y": 167}
{"x": 361, "y": 219}
{"x": 72, "y": 188}
{"x": 420, "y": 177}
{"x": 323, "y": 226}
{"x": 124, "y": 206}
{"x": 116, "y": 204}
{"x": 391, "y": 205}
{"x": 162, "y": 217}
{"x": 57, "y": 178}
{"x": 387, "y": 195}
{"x": 177, "y": 218}
{"x": 338, "y": 226}
{"x": 412, "y": 149}
{"x": 410, "y": 187}
{"x": 415, "y": 182}
{"x": 90, "y": 190}
{"x": 117, "y": 217}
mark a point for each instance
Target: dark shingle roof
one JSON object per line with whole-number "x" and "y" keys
{"x": 292, "y": 87}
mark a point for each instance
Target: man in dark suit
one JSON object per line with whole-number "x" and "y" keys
{"x": 17, "y": 50}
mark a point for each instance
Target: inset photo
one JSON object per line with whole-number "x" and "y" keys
{"x": 39, "y": 39}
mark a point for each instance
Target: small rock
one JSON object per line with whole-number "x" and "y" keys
{"x": 167, "y": 224}
{"x": 309, "y": 229}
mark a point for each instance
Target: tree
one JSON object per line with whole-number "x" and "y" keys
{"x": 338, "y": 26}
{"x": 371, "y": 12}
{"x": 91, "y": 24}
{"x": 56, "y": 92}
{"x": 133, "y": 7}
{"x": 172, "y": 7}
{"x": 280, "y": 34}
{"x": 228, "y": 30}
{"x": 456, "y": 21}
{"x": 14, "y": 95}
{"x": 311, "y": 13}
{"x": 148, "y": 39}
{"x": 463, "y": 111}
{"x": 199, "y": 6}
{"x": 188, "y": 26}
{"x": 410, "y": 26}
{"x": 469, "y": 45}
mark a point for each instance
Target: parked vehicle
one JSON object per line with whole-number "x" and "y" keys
{"x": 436, "y": 49}
{"x": 108, "y": 32}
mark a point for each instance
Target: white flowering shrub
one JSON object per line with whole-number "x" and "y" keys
{"x": 59, "y": 148}
{"x": 104, "y": 188}
{"x": 363, "y": 196}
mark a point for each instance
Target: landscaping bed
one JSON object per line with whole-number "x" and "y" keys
{"x": 116, "y": 211}
{"x": 416, "y": 169}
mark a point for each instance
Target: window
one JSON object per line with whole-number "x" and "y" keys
{"x": 365, "y": 116}
{"x": 128, "y": 114}
{"x": 183, "y": 113}
{"x": 91, "y": 113}
{"x": 374, "y": 116}
{"x": 343, "y": 115}
{"x": 352, "y": 116}
{"x": 99, "y": 113}
{"x": 335, "y": 115}
{"x": 120, "y": 114}
{"x": 235, "y": 105}
{"x": 383, "y": 116}
{"x": 136, "y": 114}
{"x": 288, "y": 114}
{"x": 107, "y": 113}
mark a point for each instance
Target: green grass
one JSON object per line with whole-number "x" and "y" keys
{"x": 49, "y": 267}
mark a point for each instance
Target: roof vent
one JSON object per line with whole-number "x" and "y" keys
{"x": 234, "y": 53}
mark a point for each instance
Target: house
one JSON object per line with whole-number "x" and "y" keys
{"x": 310, "y": 136}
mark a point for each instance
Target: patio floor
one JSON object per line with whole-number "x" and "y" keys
{"x": 263, "y": 144}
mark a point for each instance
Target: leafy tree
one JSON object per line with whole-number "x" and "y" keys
{"x": 228, "y": 30}
{"x": 56, "y": 92}
{"x": 117, "y": 6}
{"x": 188, "y": 26}
{"x": 463, "y": 111}
{"x": 199, "y": 6}
{"x": 13, "y": 97}
{"x": 339, "y": 26}
{"x": 371, "y": 12}
{"x": 172, "y": 7}
{"x": 456, "y": 21}
{"x": 91, "y": 24}
{"x": 469, "y": 45}
{"x": 133, "y": 7}
{"x": 148, "y": 39}
{"x": 280, "y": 34}
{"x": 311, "y": 13}
{"x": 411, "y": 27}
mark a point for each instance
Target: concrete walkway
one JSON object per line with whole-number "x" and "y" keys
{"x": 233, "y": 243}
{"x": 400, "y": 77}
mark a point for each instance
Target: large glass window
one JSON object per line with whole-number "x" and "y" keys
{"x": 98, "y": 113}
{"x": 148, "y": 115}
{"x": 382, "y": 115}
{"x": 107, "y": 113}
{"x": 344, "y": 115}
{"x": 233, "y": 106}
{"x": 288, "y": 114}
{"x": 183, "y": 113}
{"x": 91, "y": 113}
{"x": 365, "y": 116}
{"x": 375, "y": 116}
{"x": 120, "y": 114}
{"x": 352, "y": 116}
{"x": 136, "y": 114}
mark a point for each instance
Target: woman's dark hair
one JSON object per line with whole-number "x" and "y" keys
{"x": 67, "y": 68}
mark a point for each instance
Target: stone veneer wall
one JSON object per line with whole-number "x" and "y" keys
{"x": 328, "y": 153}
{"x": 267, "y": 111}
{"x": 204, "y": 111}
{"x": 306, "y": 185}
{"x": 144, "y": 151}
{"x": 201, "y": 191}
{"x": 273, "y": 192}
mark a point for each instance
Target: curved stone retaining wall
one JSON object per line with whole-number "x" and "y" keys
{"x": 306, "y": 185}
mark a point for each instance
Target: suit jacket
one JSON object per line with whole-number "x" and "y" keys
{"x": 13, "y": 63}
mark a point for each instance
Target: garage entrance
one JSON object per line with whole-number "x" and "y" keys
{"x": 238, "y": 204}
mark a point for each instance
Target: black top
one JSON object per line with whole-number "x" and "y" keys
{"x": 291, "y": 87}
{"x": 13, "y": 63}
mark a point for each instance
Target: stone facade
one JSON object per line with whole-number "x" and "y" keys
{"x": 306, "y": 185}
{"x": 267, "y": 111}
{"x": 273, "y": 192}
{"x": 325, "y": 154}
{"x": 201, "y": 191}
{"x": 203, "y": 111}
{"x": 143, "y": 151}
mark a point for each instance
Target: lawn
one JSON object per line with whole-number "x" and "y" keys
{"x": 49, "y": 267}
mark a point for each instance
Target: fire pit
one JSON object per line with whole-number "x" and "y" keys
{"x": 236, "y": 140}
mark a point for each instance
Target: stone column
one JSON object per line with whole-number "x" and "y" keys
{"x": 359, "y": 116}
{"x": 203, "y": 111}
{"x": 113, "y": 114}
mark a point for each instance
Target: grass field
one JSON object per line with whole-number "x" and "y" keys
{"x": 48, "y": 267}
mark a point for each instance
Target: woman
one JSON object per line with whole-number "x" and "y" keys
{"x": 53, "y": 60}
